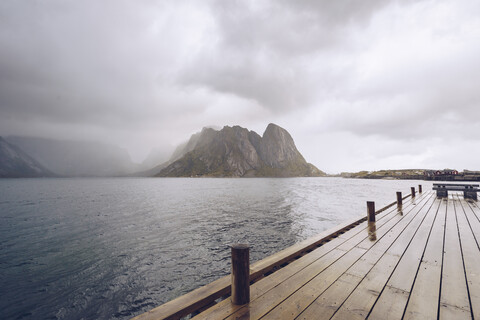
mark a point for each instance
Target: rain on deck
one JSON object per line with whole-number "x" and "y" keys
{"x": 420, "y": 260}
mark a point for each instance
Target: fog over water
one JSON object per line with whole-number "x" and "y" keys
{"x": 114, "y": 248}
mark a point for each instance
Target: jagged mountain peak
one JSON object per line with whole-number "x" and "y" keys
{"x": 278, "y": 147}
{"x": 239, "y": 152}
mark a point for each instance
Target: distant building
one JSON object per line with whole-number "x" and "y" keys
{"x": 446, "y": 174}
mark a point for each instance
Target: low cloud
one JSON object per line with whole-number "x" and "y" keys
{"x": 143, "y": 74}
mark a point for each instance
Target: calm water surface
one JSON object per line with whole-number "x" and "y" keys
{"x": 114, "y": 248}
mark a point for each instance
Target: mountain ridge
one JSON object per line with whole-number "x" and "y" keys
{"x": 16, "y": 163}
{"x": 69, "y": 158}
{"x": 238, "y": 152}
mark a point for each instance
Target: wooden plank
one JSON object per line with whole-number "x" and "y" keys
{"x": 265, "y": 265}
{"x": 475, "y": 208}
{"x": 263, "y": 304}
{"x": 202, "y": 296}
{"x": 473, "y": 214}
{"x": 401, "y": 213}
{"x": 363, "y": 298}
{"x": 225, "y": 308}
{"x": 454, "y": 303}
{"x": 456, "y": 187}
{"x": 301, "y": 299}
{"x": 360, "y": 301}
{"x": 393, "y": 300}
{"x": 393, "y": 232}
{"x": 424, "y": 297}
{"x": 189, "y": 302}
{"x": 392, "y": 304}
{"x": 329, "y": 301}
{"x": 456, "y": 184}
{"x": 471, "y": 257}
{"x": 451, "y": 312}
{"x": 205, "y": 295}
{"x": 404, "y": 275}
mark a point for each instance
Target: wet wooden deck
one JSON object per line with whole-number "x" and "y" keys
{"x": 420, "y": 261}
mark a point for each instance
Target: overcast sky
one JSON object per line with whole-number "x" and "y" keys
{"x": 372, "y": 84}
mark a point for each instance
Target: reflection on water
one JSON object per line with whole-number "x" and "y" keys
{"x": 114, "y": 248}
{"x": 372, "y": 231}
{"x": 400, "y": 210}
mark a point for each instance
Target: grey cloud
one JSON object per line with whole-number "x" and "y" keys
{"x": 438, "y": 102}
{"x": 290, "y": 27}
{"x": 65, "y": 61}
{"x": 265, "y": 51}
{"x": 159, "y": 71}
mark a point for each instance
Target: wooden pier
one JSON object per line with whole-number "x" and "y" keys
{"x": 420, "y": 259}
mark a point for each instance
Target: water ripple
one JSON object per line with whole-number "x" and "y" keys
{"x": 115, "y": 248}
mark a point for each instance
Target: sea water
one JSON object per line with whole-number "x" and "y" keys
{"x": 114, "y": 248}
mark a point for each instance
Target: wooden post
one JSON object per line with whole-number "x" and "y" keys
{"x": 240, "y": 274}
{"x": 371, "y": 211}
{"x": 413, "y": 192}
{"x": 419, "y": 188}
{"x": 399, "y": 199}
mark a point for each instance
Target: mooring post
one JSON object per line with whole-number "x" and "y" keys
{"x": 371, "y": 211}
{"x": 419, "y": 188}
{"x": 413, "y": 192}
{"x": 240, "y": 274}
{"x": 399, "y": 199}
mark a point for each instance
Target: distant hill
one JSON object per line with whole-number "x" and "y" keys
{"x": 386, "y": 174}
{"x": 238, "y": 152}
{"x": 15, "y": 163}
{"x": 77, "y": 158}
{"x": 416, "y": 174}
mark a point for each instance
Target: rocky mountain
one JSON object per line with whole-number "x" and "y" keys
{"x": 238, "y": 152}
{"x": 187, "y": 146}
{"x": 179, "y": 152}
{"x": 15, "y": 163}
{"x": 77, "y": 158}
